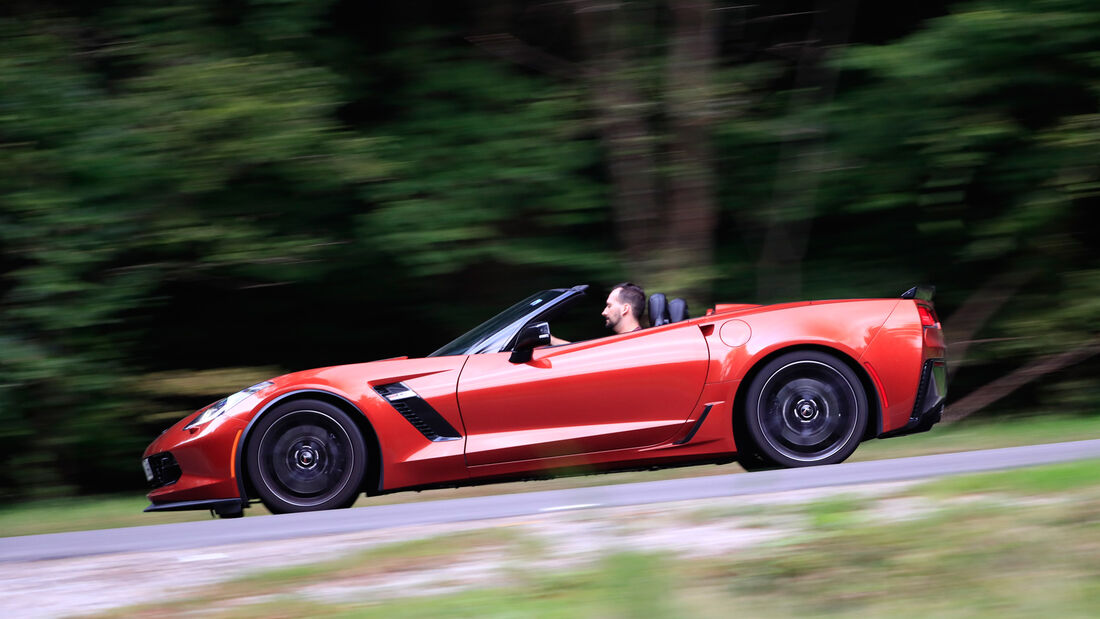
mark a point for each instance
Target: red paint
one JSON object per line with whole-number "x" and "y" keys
{"x": 624, "y": 391}
{"x": 735, "y": 333}
{"x": 878, "y": 385}
{"x": 619, "y": 401}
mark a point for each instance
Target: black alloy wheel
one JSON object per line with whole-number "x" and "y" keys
{"x": 306, "y": 455}
{"x": 804, "y": 408}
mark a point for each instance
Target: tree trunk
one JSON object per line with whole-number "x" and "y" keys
{"x": 978, "y": 308}
{"x": 691, "y": 212}
{"x": 621, "y": 113}
{"x": 788, "y": 219}
{"x": 1005, "y": 385}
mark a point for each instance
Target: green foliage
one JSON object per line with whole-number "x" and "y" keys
{"x": 487, "y": 167}
{"x": 977, "y": 139}
{"x": 964, "y": 152}
{"x": 115, "y": 186}
{"x": 177, "y": 174}
{"x": 156, "y": 146}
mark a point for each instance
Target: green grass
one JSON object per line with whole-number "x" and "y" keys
{"x": 1018, "y": 558}
{"x": 983, "y": 434}
{"x": 1042, "y": 480}
{"x": 83, "y": 513}
{"x": 49, "y": 516}
{"x": 836, "y": 512}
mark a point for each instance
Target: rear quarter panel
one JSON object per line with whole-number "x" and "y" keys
{"x": 895, "y": 356}
{"x": 741, "y": 340}
{"x": 848, "y": 327}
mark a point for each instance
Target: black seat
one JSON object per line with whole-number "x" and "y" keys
{"x": 658, "y": 310}
{"x": 677, "y": 310}
{"x": 663, "y": 311}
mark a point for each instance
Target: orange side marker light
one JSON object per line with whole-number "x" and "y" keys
{"x": 233, "y": 455}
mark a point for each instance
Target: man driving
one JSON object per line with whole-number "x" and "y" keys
{"x": 623, "y": 311}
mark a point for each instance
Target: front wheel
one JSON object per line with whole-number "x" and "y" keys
{"x": 306, "y": 455}
{"x": 805, "y": 408}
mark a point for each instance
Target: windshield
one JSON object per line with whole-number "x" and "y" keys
{"x": 495, "y": 324}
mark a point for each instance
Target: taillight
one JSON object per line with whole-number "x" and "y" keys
{"x": 928, "y": 316}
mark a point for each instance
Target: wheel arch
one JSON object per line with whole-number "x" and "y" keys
{"x": 874, "y": 403}
{"x": 372, "y": 481}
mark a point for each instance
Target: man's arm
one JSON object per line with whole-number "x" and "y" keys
{"x": 557, "y": 341}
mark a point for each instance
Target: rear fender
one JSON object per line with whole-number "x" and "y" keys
{"x": 895, "y": 358}
{"x": 742, "y": 342}
{"x": 874, "y": 400}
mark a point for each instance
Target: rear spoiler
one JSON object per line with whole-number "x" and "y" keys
{"x": 924, "y": 293}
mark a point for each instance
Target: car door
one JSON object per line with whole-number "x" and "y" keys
{"x": 618, "y": 392}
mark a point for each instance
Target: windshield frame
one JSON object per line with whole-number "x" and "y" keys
{"x": 497, "y": 333}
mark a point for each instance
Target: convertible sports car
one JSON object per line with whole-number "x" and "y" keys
{"x": 788, "y": 385}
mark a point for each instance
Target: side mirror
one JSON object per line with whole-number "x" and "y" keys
{"x": 531, "y": 336}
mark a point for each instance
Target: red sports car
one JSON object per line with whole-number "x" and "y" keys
{"x": 788, "y": 385}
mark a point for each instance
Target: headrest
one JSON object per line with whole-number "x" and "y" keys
{"x": 658, "y": 309}
{"x": 677, "y": 310}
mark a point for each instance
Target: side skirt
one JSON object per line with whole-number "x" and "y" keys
{"x": 222, "y": 507}
{"x": 554, "y": 473}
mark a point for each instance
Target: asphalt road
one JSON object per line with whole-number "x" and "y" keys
{"x": 218, "y": 532}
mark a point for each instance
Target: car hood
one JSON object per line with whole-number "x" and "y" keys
{"x": 354, "y": 379}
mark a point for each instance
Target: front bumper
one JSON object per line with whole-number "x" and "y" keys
{"x": 931, "y": 396}
{"x": 191, "y": 466}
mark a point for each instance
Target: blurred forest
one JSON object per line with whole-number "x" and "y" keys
{"x": 200, "y": 194}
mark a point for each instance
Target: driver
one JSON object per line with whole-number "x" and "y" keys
{"x": 623, "y": 312}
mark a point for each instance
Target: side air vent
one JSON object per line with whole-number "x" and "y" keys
{"x": 417, "y": 412}
{"x": 390, "y": 390}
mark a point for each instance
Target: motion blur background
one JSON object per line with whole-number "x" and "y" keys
{"x": 196, "y": 195}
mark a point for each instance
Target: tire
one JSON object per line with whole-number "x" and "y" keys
{"x": 751, "y": 461}
{"x": 306, "y": 455}
{"x": 804, "y": 408}
{"x": 747, "y": 455}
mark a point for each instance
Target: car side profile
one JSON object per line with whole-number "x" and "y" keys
{"x": 787, "y": 385}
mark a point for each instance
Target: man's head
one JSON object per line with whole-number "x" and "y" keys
{"x": 625, "y": 304}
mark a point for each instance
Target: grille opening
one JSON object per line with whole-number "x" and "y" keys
{"x": 165, "y": 469}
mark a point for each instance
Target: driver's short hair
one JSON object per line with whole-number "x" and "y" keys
{"x": 633, "y": 295}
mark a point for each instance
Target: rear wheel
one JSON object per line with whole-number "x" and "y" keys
{"x": 306, "y": 455}
{"x": 804, "y": 408}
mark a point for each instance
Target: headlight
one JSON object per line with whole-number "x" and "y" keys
{"x": 227, "y": 403}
